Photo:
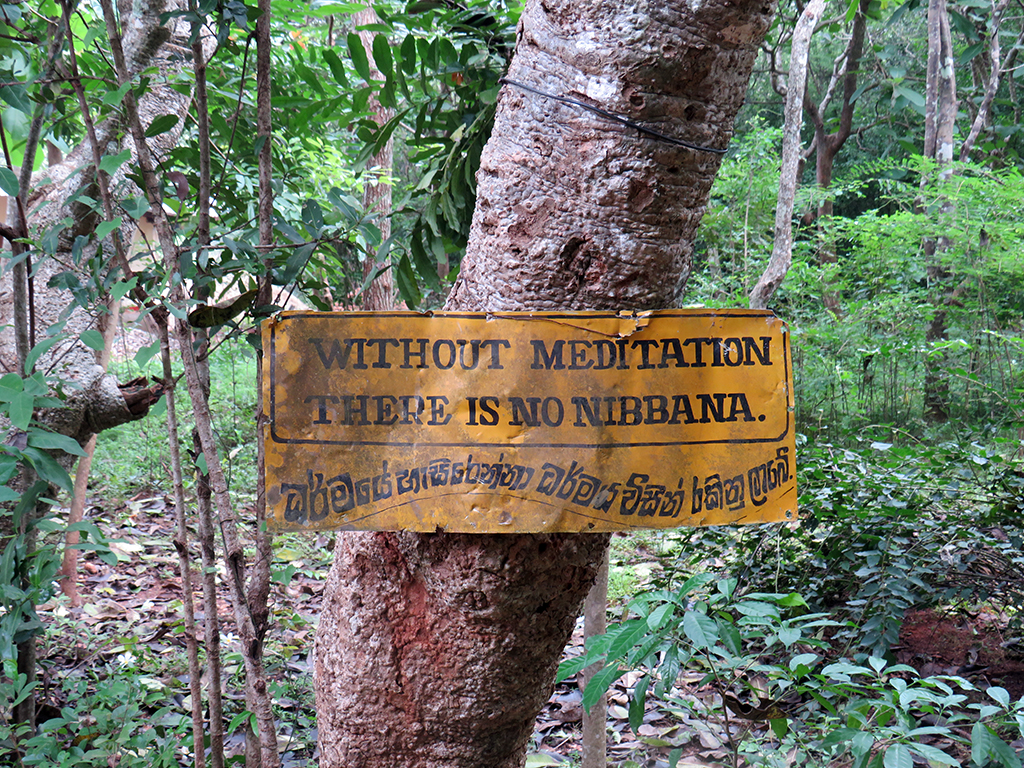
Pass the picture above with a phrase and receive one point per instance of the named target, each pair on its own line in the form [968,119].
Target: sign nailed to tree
[514,422]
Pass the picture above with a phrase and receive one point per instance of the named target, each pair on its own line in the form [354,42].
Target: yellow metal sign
[514,422]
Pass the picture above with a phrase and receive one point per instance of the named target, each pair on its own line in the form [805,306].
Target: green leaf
[337,68]
[780,727]
[239,719]
[104,228]
[10,385]
[48,469]
[408,52]
[731,639]
[540,760]
[27,502]
[861,744]
[54,441]
[110,163]
[8,466]
[933,754]
[407,286]
[9,182]
[570,667]
[792,600]
[701,630]
[599,684]
[17,96]
[113,98]
[913,97]
[692,584]
[146,354]
[986,745]
[20,410]
[312,216]
[803,659]
[38,351]
[382,56]
[660,615]
[120,288]
[898,756]
[999,694]
[637,703]
[296,263]
[668,671]
[310,77]
[358,55]
[789,635]
[425,266]
[162,124]
[93,339]
[629,636]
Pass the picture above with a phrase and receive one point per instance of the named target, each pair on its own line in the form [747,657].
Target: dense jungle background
[884,628]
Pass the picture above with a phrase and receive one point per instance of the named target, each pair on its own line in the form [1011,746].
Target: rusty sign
[515,422]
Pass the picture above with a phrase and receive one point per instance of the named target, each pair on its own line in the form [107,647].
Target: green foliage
[870,368]
[883,528]
[121,720]
[769,663]
[121,473]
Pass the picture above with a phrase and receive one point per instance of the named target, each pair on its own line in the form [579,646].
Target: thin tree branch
[782,251]
[981,119]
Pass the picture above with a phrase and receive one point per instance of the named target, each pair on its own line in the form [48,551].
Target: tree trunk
[380,294]
[595,721]
[782,249]
[438,650]
[827,145]
[940,122]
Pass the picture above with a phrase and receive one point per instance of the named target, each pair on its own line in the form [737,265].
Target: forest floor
[131,617]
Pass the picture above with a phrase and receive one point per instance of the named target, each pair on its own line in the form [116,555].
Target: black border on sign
[539,315]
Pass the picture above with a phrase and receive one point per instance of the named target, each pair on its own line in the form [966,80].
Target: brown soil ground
[973,646]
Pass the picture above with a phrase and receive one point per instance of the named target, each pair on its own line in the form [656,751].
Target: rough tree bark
[438,650]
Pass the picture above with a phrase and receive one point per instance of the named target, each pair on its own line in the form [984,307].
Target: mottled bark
[595,721]
[438,650]
[262,750]
[576,212]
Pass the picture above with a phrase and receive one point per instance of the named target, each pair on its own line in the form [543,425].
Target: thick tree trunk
[438,650]
[577,212]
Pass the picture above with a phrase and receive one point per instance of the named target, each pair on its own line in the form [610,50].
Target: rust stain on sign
[515,422]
